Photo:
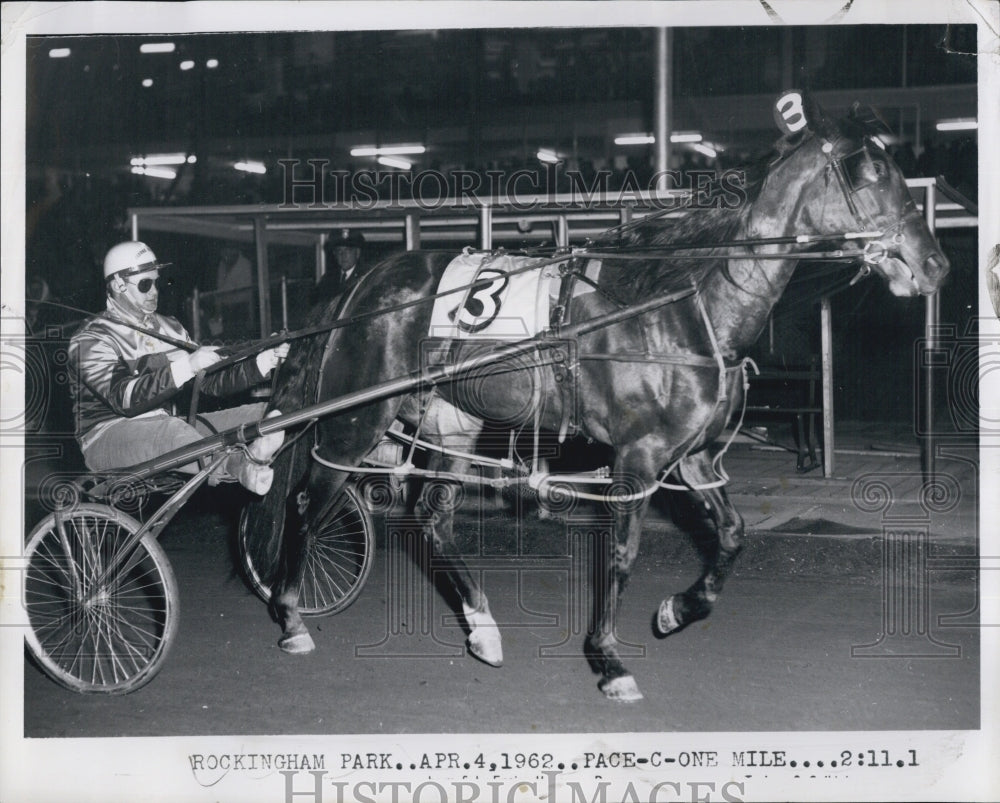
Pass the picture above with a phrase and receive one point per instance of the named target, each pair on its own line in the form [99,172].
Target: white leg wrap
[264,447]
[666,619]
[297,643]
[622,690]
[484,640]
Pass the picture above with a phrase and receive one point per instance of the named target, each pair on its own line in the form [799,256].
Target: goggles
[145,285]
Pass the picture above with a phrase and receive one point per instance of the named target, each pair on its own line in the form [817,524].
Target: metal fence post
[826,349]
[932,316]
[412,232]
[263,280]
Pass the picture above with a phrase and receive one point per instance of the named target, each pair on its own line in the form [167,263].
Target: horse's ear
[790,112]
[869,120]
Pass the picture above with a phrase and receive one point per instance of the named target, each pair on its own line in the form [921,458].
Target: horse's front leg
[696,602]
[612,568]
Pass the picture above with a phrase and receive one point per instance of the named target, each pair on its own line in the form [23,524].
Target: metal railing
[559,219]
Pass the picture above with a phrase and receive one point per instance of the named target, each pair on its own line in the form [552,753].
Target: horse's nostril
[936,265]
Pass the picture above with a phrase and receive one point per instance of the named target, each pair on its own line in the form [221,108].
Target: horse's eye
[880,168]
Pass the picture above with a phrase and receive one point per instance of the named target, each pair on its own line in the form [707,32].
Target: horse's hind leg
[696,602]
[305,506]
[436,505]
[308,506]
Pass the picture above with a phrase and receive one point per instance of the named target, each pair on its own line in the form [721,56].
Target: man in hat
[343,263]
[126,377]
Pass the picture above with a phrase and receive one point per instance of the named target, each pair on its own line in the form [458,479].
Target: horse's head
[858,187]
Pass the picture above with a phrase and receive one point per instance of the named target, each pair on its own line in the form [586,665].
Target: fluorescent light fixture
[147,82]
[547,156]
[635,139]
[649,139]
[394,161]
[251,167]
[59,53]
[388,150]
[706,149]
[157,47]
[212,63]
[958,124]
[155,172]
[162,159]
[187,65]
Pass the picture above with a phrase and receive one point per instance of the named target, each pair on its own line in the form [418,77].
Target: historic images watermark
[313,786]
[309,183]
[913,508]
[958,361]
[908,561]
[552,583]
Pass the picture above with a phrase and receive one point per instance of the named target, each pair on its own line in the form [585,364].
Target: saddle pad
[509,307]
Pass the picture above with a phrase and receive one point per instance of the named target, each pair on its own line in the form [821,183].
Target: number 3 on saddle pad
[482,305]
[491,296]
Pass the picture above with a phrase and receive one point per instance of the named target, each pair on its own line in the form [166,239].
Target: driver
[124,380]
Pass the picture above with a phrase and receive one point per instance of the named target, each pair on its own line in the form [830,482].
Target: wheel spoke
[92,632]
[338,561]
[326,565]
[331,581]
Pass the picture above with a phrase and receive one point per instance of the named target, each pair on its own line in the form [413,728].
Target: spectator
[343,264]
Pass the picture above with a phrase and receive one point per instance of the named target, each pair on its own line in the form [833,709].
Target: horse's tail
[263,522]
[264,518]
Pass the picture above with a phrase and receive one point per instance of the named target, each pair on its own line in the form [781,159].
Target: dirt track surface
[776,654]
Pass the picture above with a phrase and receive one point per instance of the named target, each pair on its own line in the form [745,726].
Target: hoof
[297,643]
[665,621]
[484,643]
[484,636]
[622,689]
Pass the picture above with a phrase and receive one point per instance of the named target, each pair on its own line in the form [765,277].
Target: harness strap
[536,408]
[559,314]
[566,373]
[720,472]
[716,352]
[691,360]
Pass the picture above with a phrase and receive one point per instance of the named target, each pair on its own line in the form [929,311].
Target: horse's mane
[631,280]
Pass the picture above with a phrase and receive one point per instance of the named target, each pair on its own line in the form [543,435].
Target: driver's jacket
[118,372]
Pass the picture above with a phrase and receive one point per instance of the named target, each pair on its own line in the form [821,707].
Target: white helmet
[128,258]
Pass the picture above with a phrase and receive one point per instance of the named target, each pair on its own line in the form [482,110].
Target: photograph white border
[955,765]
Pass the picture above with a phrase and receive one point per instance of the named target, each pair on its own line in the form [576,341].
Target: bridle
[848,171]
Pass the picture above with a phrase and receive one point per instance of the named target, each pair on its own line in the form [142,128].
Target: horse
[657,387]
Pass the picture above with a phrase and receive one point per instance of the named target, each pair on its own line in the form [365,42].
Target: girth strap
[716,352]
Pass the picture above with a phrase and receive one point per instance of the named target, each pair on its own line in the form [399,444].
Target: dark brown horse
[657,388]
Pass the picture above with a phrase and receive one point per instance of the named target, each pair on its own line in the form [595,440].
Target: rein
[874,252]
[559,256]
[562,255]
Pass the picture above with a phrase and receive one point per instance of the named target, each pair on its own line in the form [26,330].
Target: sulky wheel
[339,561]
[95,627]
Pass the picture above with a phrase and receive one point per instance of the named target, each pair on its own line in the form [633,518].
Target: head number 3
[788,112]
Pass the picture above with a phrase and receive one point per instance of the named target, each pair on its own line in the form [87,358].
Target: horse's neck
[740,300]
